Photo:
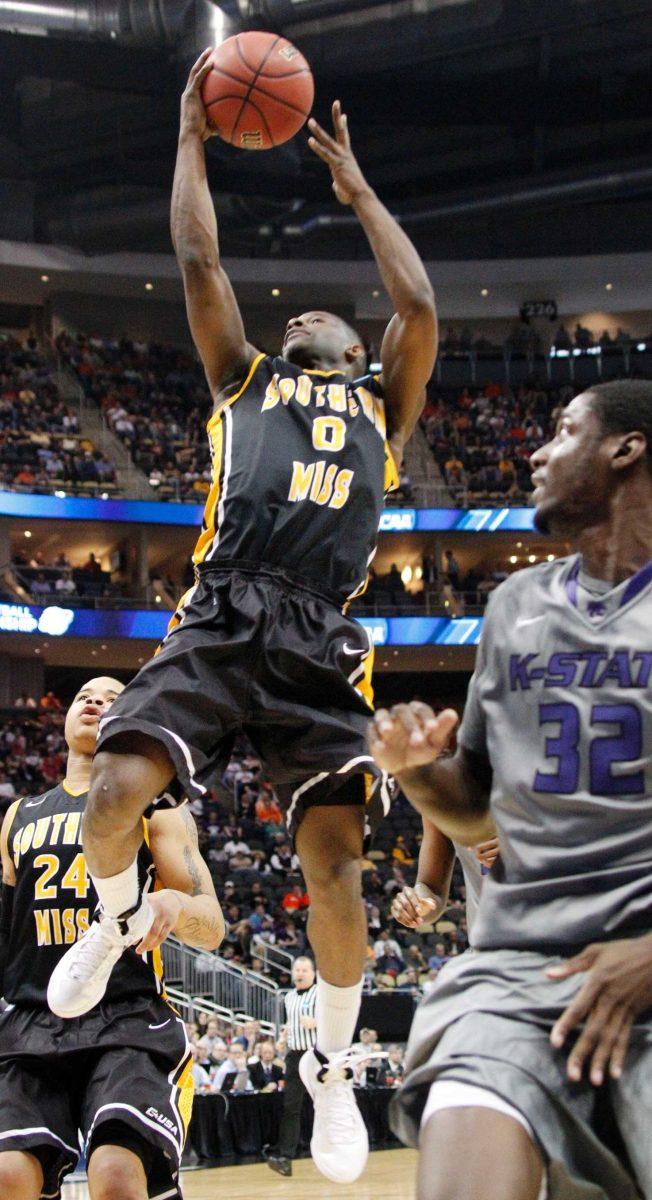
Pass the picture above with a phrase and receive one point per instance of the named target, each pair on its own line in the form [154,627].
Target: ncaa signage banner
[55,622]
[161,512]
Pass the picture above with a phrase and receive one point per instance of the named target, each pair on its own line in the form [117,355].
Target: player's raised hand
[193,113]
[336,152]
[409,735]
[616,989]
[411,909]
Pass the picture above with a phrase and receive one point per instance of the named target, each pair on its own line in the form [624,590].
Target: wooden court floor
[389,1173]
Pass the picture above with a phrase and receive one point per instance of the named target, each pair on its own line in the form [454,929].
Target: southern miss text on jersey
[54,901]
[301,465]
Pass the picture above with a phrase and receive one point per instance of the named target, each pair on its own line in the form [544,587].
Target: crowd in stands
[58,581]
[156,400]
[524,338]
[439,587]
[32,748]
[41,449]
[244,1059]
[482,438]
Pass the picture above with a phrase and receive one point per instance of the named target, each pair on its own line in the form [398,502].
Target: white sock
[118,893]
[336,1011]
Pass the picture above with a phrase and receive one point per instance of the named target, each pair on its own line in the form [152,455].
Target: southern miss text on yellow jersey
[300,469]
[54,901]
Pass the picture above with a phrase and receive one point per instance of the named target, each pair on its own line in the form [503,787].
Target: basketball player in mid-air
[121,1075]
[304,447]
[521,1049]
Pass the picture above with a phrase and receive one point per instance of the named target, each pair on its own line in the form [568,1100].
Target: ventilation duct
[140,22]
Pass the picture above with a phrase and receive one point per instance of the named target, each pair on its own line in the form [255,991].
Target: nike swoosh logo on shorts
[529,621]
[354,649]
[162,1025]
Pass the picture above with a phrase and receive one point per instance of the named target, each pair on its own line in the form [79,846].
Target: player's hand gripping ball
[257,90]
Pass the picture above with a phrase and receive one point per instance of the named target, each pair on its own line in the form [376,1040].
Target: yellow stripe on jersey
[364,685]
[205,541]
[185,1095]
[391,472]
[215,432]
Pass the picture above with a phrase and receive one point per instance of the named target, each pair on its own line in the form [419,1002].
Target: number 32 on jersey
[323,482]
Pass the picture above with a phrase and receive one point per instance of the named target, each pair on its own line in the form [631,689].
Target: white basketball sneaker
[80,978]
[339,1144]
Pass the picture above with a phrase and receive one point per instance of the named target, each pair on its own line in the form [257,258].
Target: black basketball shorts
[127,1064]
[256,651]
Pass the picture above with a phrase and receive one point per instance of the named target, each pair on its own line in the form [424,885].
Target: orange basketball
[259,91]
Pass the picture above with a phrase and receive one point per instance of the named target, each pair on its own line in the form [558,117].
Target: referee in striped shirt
[301,1035]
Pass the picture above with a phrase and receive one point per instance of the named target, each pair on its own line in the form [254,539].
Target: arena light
[513,559]
[608,287]
[45,278]
[641,346]
[60,495]
[551,558]
[276,291]
[406,574]
[216,21]
[28,533]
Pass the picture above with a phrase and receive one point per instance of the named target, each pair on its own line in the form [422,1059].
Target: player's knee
[116,1177]
[22,1180]
[334,876]
[113,804]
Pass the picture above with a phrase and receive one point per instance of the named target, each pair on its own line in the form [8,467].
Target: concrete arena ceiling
[541,110]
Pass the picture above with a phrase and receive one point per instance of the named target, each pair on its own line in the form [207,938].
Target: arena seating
[156,400]
[482,438]
[41,449]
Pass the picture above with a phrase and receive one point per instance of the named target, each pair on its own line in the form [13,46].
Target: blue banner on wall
[153,512]
[57,621]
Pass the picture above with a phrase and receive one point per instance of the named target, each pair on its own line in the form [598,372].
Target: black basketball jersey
[301,465]
[54,901]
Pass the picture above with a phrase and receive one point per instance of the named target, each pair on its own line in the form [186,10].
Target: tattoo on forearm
[200,931]
[193,872]
[190,824]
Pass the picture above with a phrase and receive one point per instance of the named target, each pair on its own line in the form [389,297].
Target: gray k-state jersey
[473,876]
[560,702]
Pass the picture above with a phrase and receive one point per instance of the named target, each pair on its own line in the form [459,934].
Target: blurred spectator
[65,584]
[437,960]
[295,900]
[391,1069]
[264,1072]
[283,860]
[51,702]
[92,566]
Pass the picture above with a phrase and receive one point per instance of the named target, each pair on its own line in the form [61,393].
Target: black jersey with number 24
[54,901]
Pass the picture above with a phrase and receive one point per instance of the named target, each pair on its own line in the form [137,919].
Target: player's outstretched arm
[187,905]
[452,793]
[426,901]
[213,313]
[409,347]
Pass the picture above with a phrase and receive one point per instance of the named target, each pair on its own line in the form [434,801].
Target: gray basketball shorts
[487,1022]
